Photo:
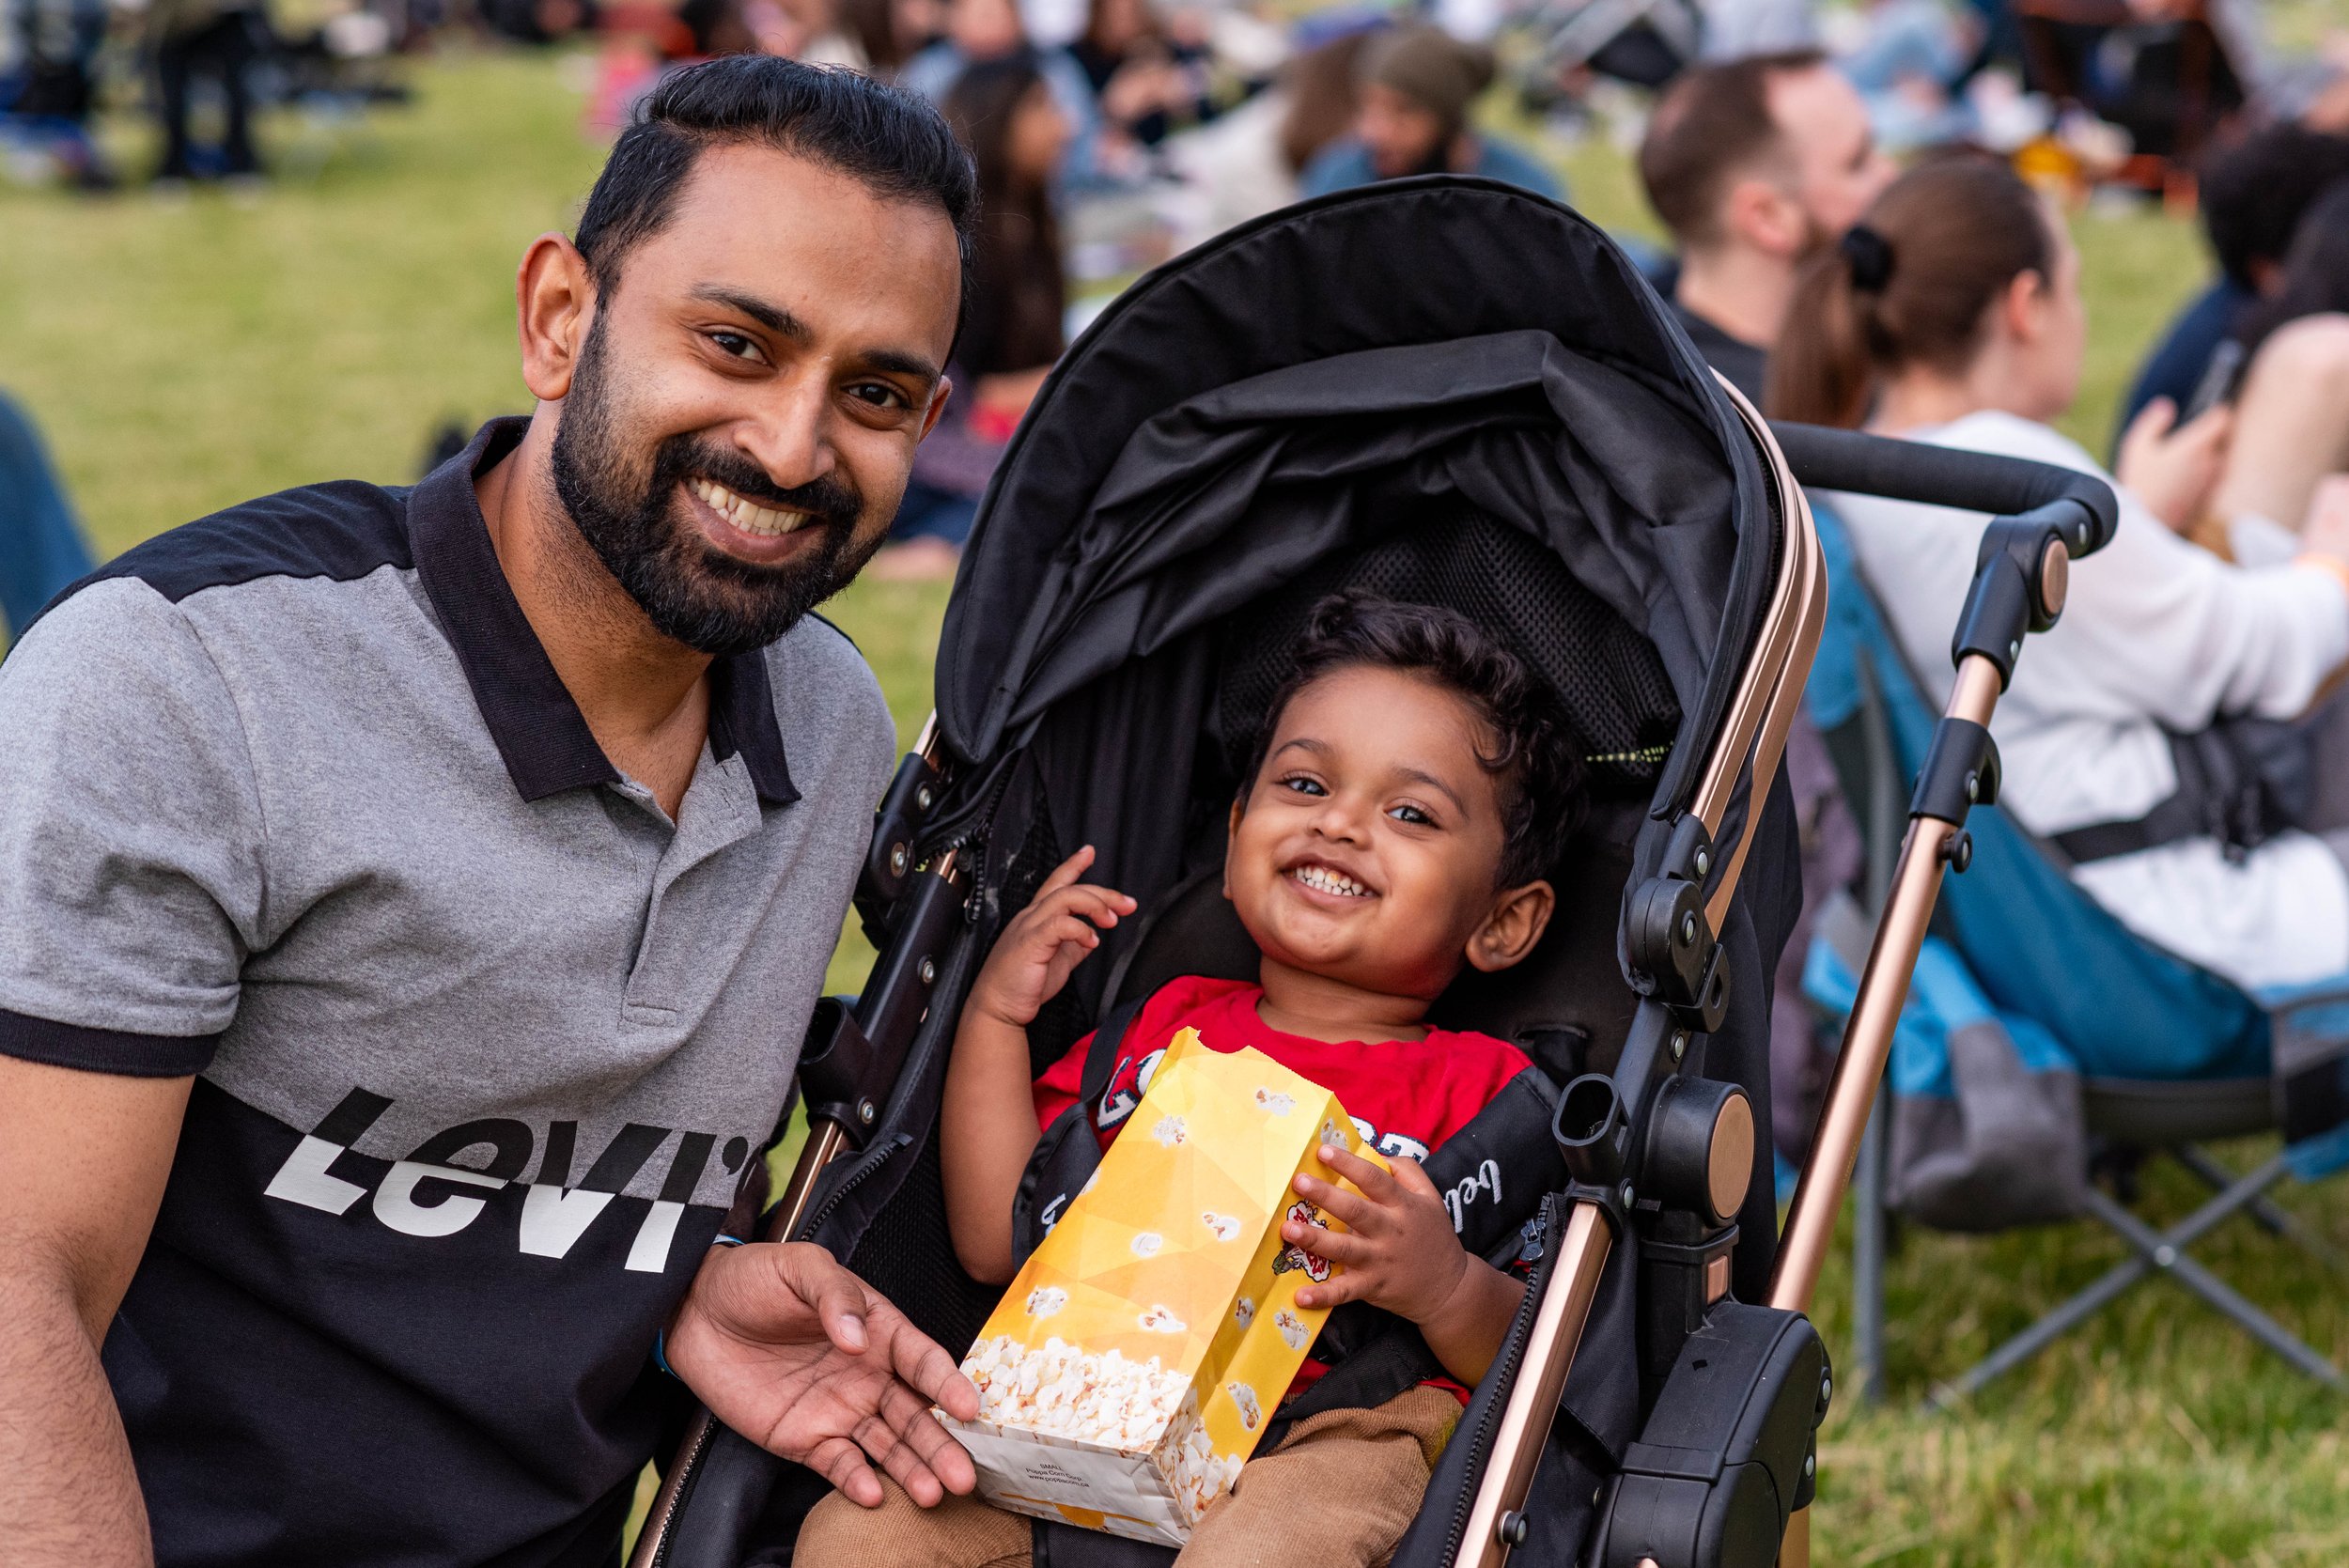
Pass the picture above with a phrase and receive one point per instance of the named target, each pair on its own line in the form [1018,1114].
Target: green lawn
[183,357]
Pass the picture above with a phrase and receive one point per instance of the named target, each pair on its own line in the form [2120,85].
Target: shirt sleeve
[1062,1082]
[2166,628]
[130,841]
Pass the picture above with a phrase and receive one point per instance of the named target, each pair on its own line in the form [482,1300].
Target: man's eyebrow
[901,362]
[772,317]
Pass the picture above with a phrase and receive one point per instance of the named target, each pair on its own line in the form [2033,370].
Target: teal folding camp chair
[2169,1056]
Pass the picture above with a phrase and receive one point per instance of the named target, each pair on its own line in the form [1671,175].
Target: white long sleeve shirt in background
[2158,634]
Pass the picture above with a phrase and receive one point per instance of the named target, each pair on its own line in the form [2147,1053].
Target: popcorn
[1136,1361]
[1244,1401]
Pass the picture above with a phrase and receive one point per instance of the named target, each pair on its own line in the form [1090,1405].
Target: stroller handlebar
[1832,460]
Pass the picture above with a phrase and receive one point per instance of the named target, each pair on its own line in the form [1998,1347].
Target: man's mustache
[831,498]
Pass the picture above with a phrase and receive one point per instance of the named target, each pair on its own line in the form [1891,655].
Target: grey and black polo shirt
[292,799]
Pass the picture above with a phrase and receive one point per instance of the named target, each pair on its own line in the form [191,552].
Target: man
[1752,165]
[411,902]
[1418,83]
[2254,194]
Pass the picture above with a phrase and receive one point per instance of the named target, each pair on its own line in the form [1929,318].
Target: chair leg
[2166,1253]
[1867,1254]
[2271,1218]
[2156,1249]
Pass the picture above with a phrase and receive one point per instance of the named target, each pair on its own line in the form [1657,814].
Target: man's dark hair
[2255,193]
[1711,125]
[891,142]
[1535,760]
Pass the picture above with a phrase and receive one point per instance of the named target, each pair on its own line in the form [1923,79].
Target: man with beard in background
[411,902]
[1752,164]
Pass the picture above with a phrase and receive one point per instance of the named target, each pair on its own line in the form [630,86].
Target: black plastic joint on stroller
[1452,392]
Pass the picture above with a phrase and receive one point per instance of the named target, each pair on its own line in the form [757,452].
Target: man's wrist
[661,1335]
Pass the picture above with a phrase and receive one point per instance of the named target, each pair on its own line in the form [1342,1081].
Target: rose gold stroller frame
[1759,719]
[2020,585]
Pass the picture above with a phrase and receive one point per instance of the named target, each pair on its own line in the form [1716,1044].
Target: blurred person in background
[891,32]
[40,548]
[1248,161]
[1004,112]
[220,41]
[1952,315]
[978,31]
[2253,195]
[1147,77]
[1417,84]
[1754,165]
[2295,343]
[49,86]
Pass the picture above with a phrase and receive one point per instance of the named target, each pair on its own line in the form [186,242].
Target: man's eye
[733,345]
[881,395]
[1303,785]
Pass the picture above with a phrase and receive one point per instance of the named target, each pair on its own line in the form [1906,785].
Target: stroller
[1449,392]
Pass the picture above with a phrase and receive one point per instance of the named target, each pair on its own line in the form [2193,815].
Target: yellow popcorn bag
[1131,1368]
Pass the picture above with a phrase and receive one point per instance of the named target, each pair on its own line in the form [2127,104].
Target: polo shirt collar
[531,715]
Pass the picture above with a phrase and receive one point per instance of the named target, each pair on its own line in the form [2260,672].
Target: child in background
[1410,789]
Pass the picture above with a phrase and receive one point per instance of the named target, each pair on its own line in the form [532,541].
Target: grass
[181,358]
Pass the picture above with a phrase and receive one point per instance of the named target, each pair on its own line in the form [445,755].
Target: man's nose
[790,437]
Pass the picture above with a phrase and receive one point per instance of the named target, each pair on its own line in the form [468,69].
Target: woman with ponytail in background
[1951,314]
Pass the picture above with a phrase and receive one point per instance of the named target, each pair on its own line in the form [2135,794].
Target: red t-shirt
[1406,1096]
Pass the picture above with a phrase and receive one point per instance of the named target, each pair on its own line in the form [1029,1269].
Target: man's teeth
[1322,879]
[748,516]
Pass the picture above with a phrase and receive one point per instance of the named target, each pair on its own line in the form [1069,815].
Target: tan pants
[1348,1481]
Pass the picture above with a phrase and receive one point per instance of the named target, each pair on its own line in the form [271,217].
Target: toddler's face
[1367,849]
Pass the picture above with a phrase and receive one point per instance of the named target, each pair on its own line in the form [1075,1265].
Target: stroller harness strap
[1494,1173]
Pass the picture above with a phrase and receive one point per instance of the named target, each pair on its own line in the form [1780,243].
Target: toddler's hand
[1399,1251]
[1045,942]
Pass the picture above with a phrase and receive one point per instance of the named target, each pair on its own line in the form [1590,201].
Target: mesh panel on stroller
[1452,393]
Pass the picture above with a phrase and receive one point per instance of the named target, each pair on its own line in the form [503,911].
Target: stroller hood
[1297,385]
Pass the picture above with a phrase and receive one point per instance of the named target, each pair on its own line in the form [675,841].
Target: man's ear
[1519,918]
[1763,216]
[938,401]
[555,301]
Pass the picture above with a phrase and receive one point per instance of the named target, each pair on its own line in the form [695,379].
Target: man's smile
[746,514]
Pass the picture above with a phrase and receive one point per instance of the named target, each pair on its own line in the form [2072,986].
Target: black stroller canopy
[1324,377]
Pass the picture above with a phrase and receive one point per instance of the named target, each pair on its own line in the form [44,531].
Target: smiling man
[411,901]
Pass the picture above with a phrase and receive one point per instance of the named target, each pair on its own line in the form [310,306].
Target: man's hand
[791,1349]
[1400,1252]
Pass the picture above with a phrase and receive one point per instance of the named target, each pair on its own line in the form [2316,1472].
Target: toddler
[1409,791]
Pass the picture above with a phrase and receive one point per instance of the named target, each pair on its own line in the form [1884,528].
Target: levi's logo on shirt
[1131,1078]
[426,1195]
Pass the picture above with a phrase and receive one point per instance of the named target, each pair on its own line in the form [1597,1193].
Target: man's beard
[691,591]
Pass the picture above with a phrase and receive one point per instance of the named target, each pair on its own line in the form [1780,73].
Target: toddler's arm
[1400,1253]
[988,1127]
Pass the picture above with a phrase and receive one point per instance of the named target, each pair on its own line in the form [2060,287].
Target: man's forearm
[69,1496]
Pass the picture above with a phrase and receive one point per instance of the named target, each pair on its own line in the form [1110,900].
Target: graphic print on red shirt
[1406,1096]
